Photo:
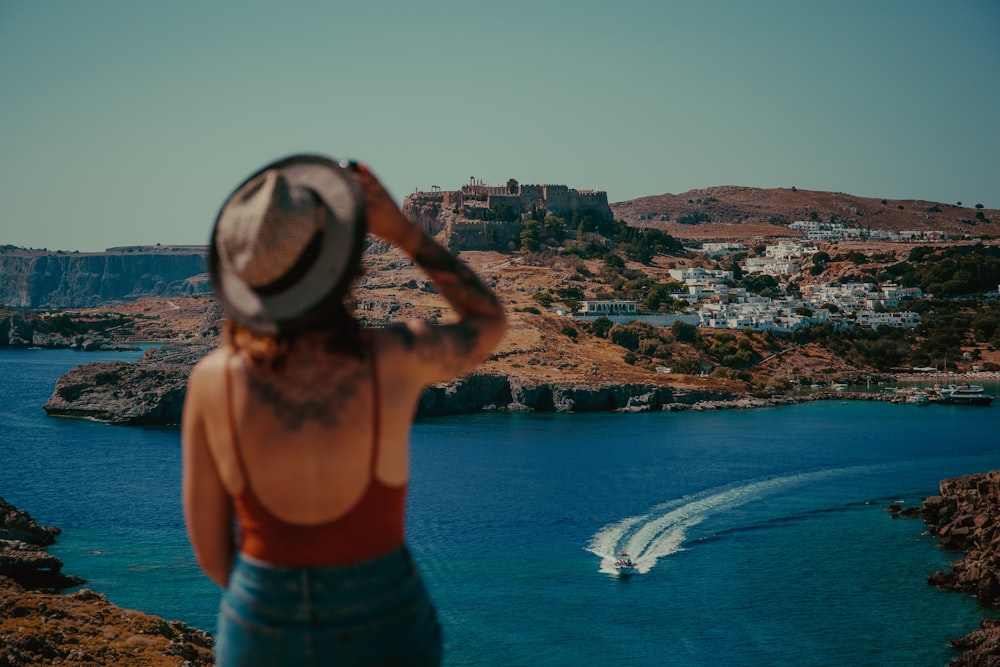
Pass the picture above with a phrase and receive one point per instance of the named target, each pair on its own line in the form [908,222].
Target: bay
[761,536]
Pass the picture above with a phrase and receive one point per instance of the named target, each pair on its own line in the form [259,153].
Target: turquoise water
[761,536]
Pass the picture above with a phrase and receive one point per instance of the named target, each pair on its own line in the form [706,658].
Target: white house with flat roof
[606,308]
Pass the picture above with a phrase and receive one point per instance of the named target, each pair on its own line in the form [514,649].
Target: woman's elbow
[216,566]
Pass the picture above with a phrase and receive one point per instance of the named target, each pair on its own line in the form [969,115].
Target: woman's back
[308,433]
[299,426]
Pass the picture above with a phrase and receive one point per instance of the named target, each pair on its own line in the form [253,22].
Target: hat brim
[339,252]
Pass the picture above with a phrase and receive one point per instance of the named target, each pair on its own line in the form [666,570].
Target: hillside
[544,349]
[730,211]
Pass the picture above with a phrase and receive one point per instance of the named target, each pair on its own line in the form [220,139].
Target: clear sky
[129,122]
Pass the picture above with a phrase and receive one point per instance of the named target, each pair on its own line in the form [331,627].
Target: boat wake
[663,530]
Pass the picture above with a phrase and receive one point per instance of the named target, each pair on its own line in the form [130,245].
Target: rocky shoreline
[150,392]
[40,625]
[30,330]
[965,516]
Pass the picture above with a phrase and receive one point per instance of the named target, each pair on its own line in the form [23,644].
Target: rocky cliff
[965,516]
[42,279]
[31,329]
[40,626]
[478,393]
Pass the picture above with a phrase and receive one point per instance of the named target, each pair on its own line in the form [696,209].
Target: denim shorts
[372,613]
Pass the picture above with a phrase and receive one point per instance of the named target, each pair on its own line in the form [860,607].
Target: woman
[298,427]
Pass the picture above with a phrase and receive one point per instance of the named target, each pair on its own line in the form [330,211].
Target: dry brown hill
[535,348]
[731,211]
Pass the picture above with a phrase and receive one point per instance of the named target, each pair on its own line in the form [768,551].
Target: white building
[788,250]
[770,266]
[717,249]
[700,274]
[904,319]
[607,308]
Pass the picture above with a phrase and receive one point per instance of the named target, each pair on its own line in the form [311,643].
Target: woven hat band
[288,237]
[298,270]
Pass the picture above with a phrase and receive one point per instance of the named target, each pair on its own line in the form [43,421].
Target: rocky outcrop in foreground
[965,516]
[22,552]
[147,392]
[40,626]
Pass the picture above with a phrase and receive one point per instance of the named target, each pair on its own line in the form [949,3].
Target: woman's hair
[331,318]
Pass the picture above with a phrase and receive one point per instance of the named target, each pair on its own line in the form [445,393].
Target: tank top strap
[231,418]
[376,408]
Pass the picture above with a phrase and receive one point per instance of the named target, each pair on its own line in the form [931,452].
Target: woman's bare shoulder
[209,369]
[214,359]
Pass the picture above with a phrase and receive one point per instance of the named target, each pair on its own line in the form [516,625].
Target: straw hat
[287,238]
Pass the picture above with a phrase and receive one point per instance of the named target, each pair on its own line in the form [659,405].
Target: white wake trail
[662,530]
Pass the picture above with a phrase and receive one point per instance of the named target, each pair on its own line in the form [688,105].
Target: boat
[962,394]
[918,398]
[624,565]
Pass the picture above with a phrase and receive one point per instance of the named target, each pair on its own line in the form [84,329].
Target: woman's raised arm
[443,351]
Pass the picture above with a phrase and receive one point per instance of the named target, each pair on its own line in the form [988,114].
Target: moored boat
[961,394]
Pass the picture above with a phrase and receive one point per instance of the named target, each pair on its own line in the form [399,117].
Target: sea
[761,536]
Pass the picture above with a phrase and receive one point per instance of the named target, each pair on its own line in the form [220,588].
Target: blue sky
[129,122]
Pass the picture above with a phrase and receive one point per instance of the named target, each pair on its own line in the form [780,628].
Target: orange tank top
[373,526]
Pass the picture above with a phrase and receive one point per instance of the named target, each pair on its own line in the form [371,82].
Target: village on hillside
[764,293]
[786,263]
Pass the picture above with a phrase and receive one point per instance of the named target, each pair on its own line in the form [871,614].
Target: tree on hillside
[601,326]
[620,334]
[512,185]
[613,266]
[684,332]
[531,236]
[686,365]
[555,228]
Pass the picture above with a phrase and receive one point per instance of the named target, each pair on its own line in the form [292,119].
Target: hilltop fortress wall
[459,213]
[556,199]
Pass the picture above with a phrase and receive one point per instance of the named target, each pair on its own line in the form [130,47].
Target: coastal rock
[151,391]
[22,552]
[25,330]
[33,567]
[477,393]
[83,628]
[980,648]
[38,625]
[17,525]
[965,516]
[147,392]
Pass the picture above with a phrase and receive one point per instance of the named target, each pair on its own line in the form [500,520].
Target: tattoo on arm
[448,346]
[456,281]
